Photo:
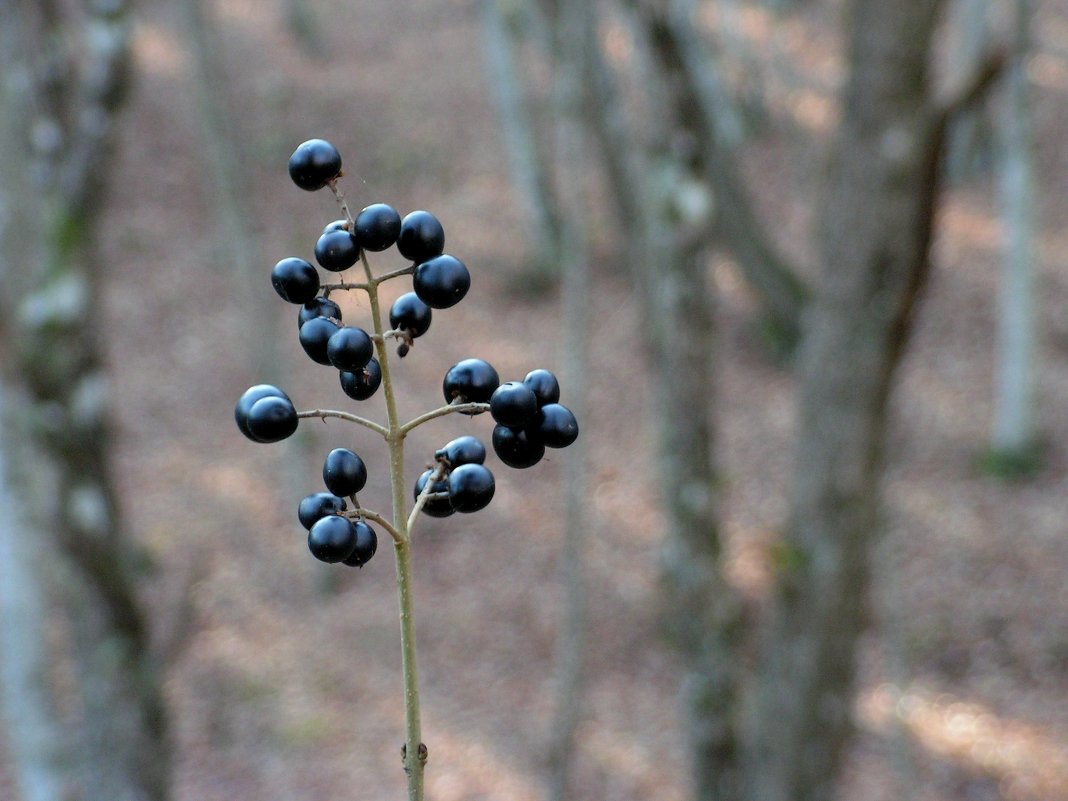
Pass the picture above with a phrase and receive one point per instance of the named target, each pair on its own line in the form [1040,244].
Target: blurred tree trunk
[65,72]
[570,27]
[1012,440]
[529,165]
[717,131]
[875,235]
[661,182]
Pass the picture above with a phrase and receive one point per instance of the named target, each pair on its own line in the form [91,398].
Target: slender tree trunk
[526,161]
[703,612]
[66,103]
[570,28]
[1013,434]
[875,236]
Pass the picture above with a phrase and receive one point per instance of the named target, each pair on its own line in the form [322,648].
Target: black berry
[410,314]
[247,399]
[318,505]
[295,280]
[272,419]
[517,447]
[513,404]
[362,384]
[544,385]
[337,251]
[314,336]
[441,282]
[318,307]
[470,381]
[349,349]
[421,236]
[556,425]
[377,227]
[314,164]
[463,450]
[344,473]
[336,225]
[470,487]
[435,507]
[332,539]
[366,545]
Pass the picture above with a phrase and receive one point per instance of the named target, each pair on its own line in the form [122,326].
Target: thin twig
[424,496]
[352,418]
[377,518]
[477,408]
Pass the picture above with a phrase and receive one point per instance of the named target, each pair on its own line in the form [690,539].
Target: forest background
[262,674]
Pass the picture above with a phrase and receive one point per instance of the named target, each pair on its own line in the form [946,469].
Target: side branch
[377,518]
[424,496]
[971,87]
[477,408]
[352,418]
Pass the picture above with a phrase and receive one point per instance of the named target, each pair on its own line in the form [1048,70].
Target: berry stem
[377,518]
[352,418]
[413,747]
[441,411]
[425,495]
[341,202]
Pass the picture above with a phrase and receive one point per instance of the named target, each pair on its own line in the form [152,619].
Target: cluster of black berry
[528,414]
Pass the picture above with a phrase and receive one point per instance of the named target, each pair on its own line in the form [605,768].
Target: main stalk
[414,753]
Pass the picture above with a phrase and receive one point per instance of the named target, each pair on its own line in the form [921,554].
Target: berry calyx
[336,251]
[314,336]
[421,236]
[366,545]
[544,385]
[349,349]
[272,419]
[295,280]
[470,381]
[517,447]
[318,505]
[513,404]
[442,281]
[314,164]
[411,315]
[434,507]
[377,227]
[462,450]
[556,425]
[362,384]
[332,539]
[344,473]
[470,487]
[247,399]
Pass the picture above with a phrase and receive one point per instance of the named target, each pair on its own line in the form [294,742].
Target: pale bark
[527,162]
[875,235]
[1013,433]
[737,225]
[703,612]
[571,32]
[52,367]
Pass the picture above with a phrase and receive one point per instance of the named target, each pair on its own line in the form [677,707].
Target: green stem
[414,750]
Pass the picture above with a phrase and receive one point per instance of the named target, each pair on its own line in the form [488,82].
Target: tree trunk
[56,389]
[703,612]
[526,161]
[875,236]
[571,32]
[1012,440]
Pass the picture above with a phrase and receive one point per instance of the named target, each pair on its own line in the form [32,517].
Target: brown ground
[289,687]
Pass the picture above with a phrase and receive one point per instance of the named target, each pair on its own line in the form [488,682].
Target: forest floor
[289,684]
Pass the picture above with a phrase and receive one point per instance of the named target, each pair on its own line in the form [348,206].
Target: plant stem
[414,750]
